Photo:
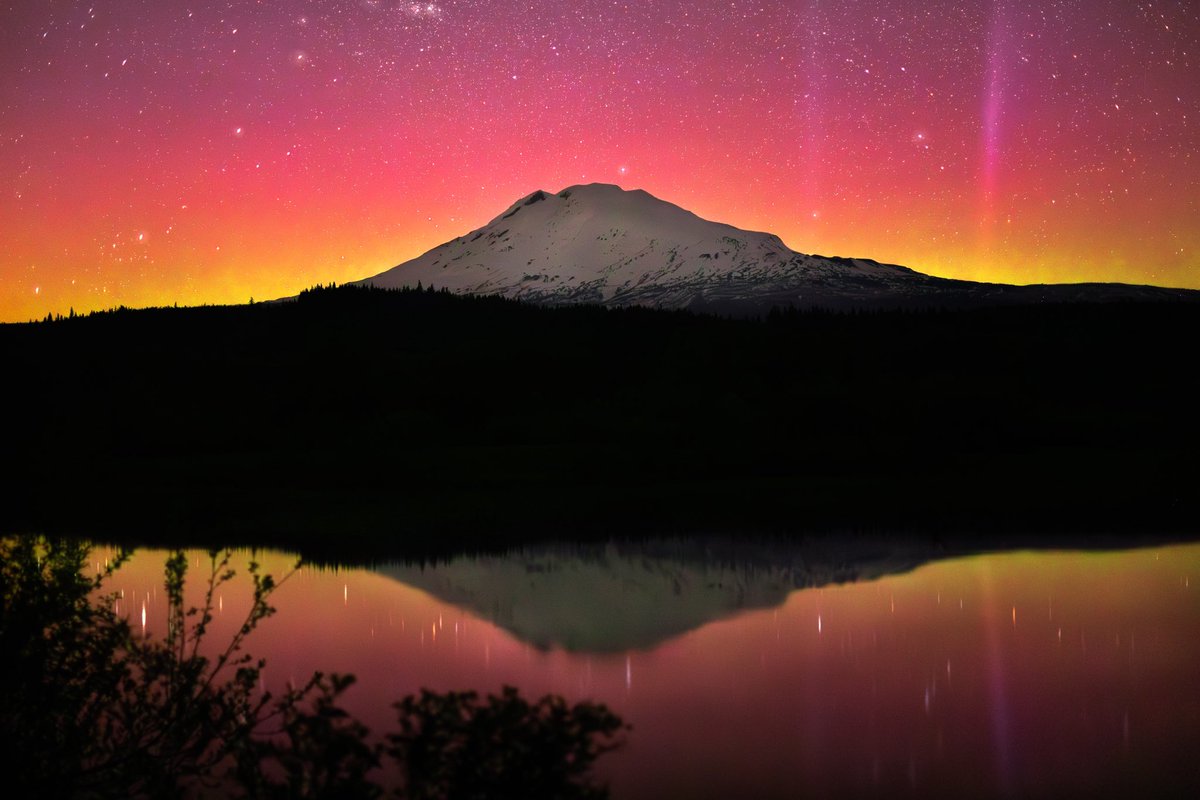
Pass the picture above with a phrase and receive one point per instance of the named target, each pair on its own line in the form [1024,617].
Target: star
[396,112]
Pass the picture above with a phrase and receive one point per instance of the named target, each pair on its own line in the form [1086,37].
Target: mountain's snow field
[601,244]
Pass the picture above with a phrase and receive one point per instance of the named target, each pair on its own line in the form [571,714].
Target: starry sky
[158,151]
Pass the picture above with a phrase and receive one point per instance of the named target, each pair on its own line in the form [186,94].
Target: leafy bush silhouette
[457,745]
[88,709]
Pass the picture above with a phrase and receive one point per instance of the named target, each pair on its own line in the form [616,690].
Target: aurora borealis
[155,151]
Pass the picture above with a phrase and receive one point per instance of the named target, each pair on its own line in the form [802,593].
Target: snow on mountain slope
[599,243]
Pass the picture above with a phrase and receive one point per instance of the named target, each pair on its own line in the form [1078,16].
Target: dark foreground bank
[419,420]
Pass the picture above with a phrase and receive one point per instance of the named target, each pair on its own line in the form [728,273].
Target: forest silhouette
[363,420]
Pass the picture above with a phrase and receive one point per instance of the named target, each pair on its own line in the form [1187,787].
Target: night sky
[155,151]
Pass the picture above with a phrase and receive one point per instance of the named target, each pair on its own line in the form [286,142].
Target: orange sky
[151,153]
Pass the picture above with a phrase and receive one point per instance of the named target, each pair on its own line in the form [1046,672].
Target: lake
[771,670]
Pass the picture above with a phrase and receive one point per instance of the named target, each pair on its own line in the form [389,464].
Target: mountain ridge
[599,243]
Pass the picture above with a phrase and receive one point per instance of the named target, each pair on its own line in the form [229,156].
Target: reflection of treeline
[92,710]
[428,418]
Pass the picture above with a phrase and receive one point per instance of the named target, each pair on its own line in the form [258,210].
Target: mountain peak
[601,243]
[597,191]
[585,191]
[595,186]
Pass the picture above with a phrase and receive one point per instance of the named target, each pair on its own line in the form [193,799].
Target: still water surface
[768,672]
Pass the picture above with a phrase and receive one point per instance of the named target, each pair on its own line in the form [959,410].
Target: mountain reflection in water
[781,670]
[614,597]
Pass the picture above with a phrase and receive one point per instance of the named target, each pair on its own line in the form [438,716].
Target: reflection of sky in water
[1003,673]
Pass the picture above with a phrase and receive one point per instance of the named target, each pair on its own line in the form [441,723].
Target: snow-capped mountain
[599,243]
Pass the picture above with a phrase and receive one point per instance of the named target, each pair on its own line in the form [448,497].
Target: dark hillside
[417,419]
